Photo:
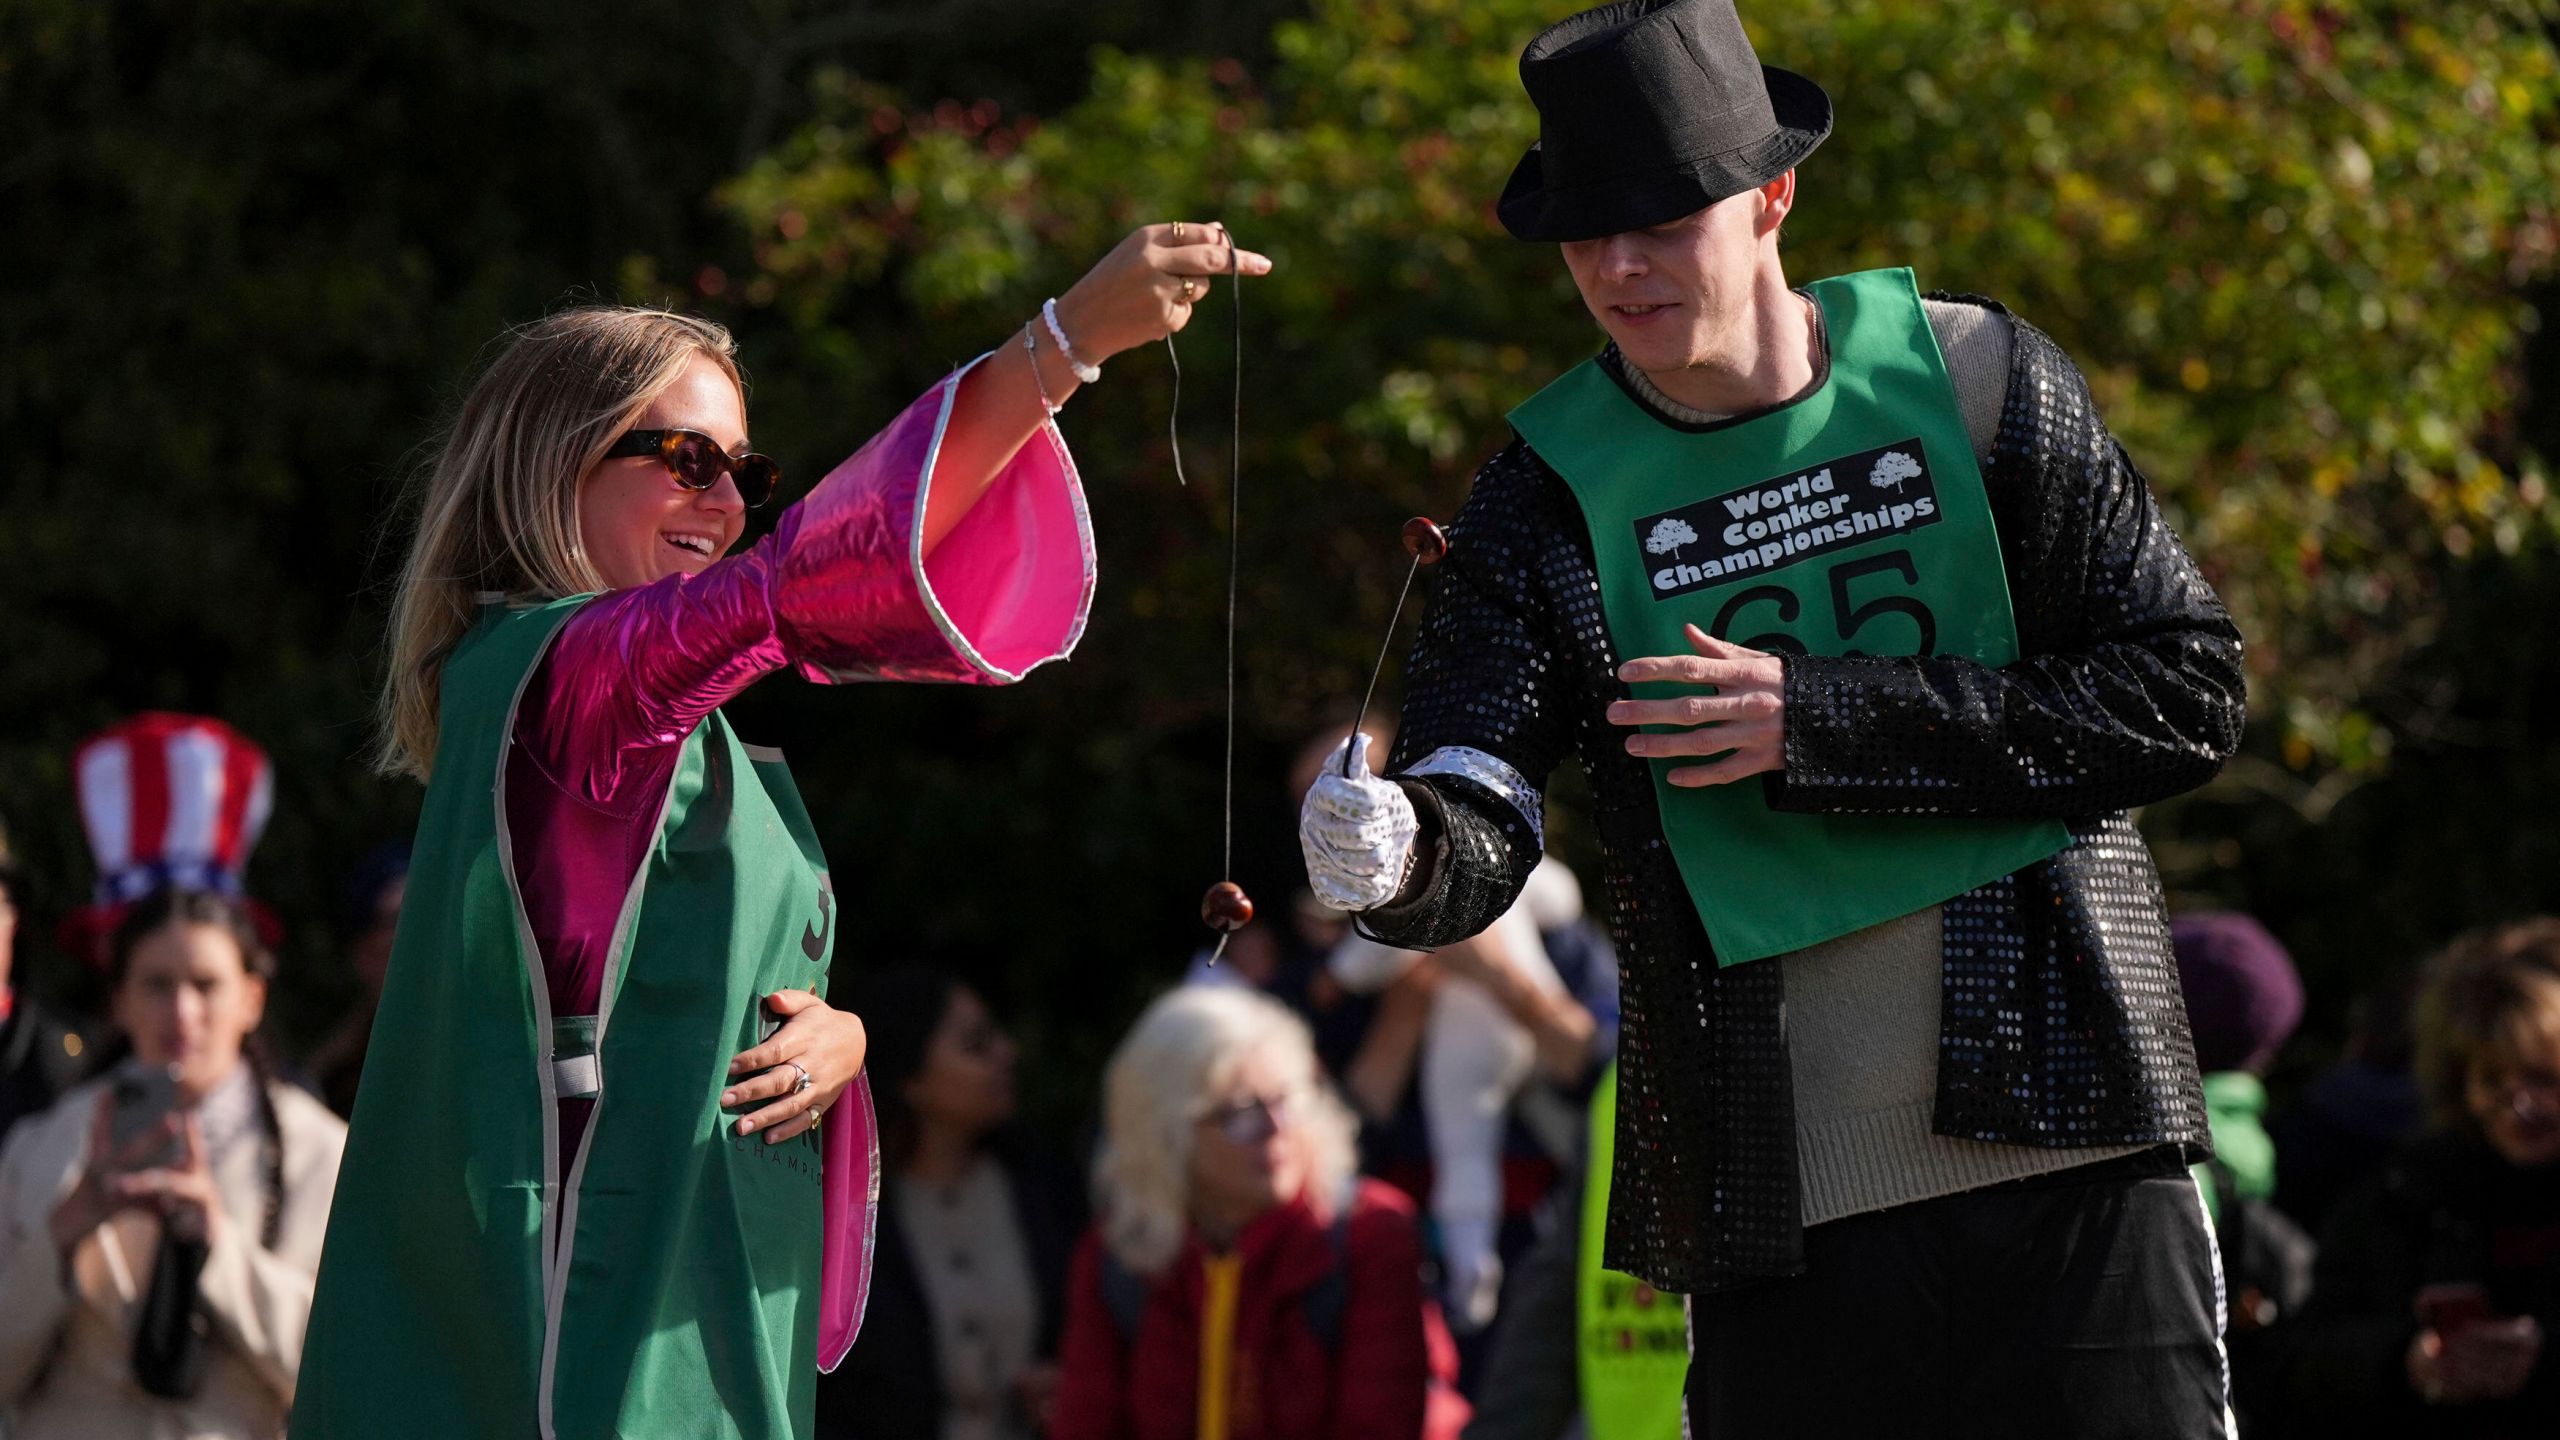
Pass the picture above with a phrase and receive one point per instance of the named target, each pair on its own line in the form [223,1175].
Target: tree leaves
[2285,240]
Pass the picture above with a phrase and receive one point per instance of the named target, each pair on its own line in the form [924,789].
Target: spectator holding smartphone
[159,1226]
[2438,1285]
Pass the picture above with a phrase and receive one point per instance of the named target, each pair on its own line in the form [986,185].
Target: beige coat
[66,1340]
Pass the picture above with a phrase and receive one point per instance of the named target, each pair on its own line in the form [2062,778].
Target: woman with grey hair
[1238,1265]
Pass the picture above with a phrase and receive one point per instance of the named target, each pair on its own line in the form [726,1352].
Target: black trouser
[2081,1305]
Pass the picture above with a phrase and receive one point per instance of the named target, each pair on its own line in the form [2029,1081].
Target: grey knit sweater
[1862,1010]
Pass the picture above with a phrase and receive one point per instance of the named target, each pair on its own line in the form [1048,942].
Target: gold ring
[1177,232]
[1186,290]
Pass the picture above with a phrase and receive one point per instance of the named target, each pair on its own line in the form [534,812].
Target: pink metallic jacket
[841,590]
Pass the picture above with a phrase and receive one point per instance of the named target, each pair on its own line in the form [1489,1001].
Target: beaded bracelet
[1085,373]
[1032,351]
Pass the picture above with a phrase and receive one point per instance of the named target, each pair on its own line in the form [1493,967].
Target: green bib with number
[1850,522]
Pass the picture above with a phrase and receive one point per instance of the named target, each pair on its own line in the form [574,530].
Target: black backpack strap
[1124,1294]
[1322,1306]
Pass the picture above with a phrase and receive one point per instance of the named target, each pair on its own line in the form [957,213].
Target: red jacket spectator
[1370,1378]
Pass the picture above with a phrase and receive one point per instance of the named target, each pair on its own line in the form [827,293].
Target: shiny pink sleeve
[840,591]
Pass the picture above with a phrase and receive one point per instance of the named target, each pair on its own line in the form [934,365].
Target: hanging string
[1225,908]
[1235,524]
[1235,529]
[1173,417]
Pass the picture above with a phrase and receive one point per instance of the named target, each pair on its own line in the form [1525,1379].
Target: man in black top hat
[1867,636]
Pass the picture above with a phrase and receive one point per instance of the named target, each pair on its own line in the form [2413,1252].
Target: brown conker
[1226,907]
[1424,540]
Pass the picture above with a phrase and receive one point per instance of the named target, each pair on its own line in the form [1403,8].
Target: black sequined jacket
[2060,1024]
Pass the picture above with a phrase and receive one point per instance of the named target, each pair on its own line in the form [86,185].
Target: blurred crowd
[1331,1188]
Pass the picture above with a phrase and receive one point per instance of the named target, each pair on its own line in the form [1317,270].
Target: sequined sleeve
[1485,717]
[2129,688]
[841,590]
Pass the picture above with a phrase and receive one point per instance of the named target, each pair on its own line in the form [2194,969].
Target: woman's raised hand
[1145,288]
[1142,291]
[816,1039]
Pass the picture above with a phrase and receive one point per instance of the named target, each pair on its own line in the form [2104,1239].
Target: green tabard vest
[1631,1339]
[1852,521]
[684,1297]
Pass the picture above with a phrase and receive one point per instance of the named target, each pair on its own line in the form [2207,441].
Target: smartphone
[144,1101]
[2449,1310]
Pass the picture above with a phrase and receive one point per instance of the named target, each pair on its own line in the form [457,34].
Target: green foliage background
[2302,250]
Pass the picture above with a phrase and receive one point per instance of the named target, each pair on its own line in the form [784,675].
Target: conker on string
[1424,540]
[1226,907]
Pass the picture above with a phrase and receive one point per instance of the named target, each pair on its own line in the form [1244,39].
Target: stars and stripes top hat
[167,801]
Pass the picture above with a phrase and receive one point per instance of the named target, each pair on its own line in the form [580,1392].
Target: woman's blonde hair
[1178,1058]
[2490,999]
[496,501]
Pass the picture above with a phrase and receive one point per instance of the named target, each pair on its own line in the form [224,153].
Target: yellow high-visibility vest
[1633,1339]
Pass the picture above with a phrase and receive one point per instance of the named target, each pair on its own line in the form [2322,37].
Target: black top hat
[1649,110]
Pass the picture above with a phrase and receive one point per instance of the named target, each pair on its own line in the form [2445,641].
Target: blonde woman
[1240,1281]
[584,1193]
[2439,1284]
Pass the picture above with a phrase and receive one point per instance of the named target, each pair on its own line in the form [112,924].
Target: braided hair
[172,906]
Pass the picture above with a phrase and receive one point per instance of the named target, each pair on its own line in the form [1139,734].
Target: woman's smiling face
[636,523]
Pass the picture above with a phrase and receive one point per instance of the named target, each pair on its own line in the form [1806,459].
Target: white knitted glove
[1357,832]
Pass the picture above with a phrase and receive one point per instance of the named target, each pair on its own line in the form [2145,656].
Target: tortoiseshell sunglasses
[697,462]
